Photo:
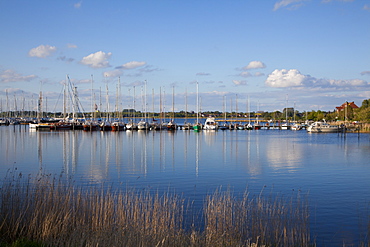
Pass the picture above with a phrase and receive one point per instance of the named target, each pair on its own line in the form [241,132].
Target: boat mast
[145,104]
[133,102]
[92,99]
[186,105]
[173,102]
[197,102]
[107,102]
[249,110]
[153,103]
[65,99]
[286,109]
[236,106]
[224,108]
[160,105]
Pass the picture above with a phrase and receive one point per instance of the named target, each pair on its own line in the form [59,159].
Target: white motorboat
[286,126]
[323,127]
[210,124]
[297,126]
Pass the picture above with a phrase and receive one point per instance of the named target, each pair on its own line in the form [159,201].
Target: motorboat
[297,126]
[285,126]
[323,127]
[210,124]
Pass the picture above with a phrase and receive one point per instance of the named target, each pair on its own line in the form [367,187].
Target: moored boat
[118,126]
[248,126]
[210,124]
[323,127]
[105,126]
[171,125]
[4,121]
[143,125]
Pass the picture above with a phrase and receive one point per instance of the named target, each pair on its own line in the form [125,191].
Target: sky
[157,54]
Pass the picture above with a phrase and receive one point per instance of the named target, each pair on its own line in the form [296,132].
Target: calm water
[333,169]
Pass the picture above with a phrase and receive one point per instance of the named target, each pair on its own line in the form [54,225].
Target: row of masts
[73,109]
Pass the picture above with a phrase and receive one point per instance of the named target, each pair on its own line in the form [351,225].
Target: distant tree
[365,103]
[363,113]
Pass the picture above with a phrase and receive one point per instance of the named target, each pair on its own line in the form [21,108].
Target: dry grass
[272,222]
[52,212]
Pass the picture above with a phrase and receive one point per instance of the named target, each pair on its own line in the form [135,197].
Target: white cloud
[203,73]
[345,83]
[293,78]
[65,59]
[245,74]
[97,60]
[11,76]
[239,82]
[285,78]
[71,46]
[136,84]
[131,65]
[255,65]
[42,51]
[365,72]
[112,73]
[284,3]
[328,1]
[366,7]
[77,5]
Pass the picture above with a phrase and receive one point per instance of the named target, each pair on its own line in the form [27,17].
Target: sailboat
[248,126]
[197,126]
[143,123]
[186,126]
[131,125]
[118,125]
[257,125]
[171,125]
[224,126]
[286,125]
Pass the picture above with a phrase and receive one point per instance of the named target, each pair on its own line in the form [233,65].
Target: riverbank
[47,211]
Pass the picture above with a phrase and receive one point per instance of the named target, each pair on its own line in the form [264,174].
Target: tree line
[349,114]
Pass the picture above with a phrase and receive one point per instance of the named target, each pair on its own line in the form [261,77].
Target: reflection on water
[333,168]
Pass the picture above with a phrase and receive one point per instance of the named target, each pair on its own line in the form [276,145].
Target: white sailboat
[197,126]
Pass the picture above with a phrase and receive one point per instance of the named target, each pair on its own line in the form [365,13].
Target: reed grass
[52,211]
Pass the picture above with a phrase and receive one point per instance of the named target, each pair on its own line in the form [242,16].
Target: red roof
[351,104]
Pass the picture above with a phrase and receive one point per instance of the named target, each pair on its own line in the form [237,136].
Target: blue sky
[311,54]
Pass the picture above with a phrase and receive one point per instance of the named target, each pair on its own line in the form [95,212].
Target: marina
[209,123]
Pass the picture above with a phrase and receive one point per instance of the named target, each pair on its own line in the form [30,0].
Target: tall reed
[55,212]
[273,221]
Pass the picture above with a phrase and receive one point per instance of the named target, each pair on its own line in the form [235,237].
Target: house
[348,104]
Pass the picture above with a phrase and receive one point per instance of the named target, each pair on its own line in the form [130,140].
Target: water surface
[333,169]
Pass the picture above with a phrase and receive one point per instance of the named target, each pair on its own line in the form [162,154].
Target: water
[333,169]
